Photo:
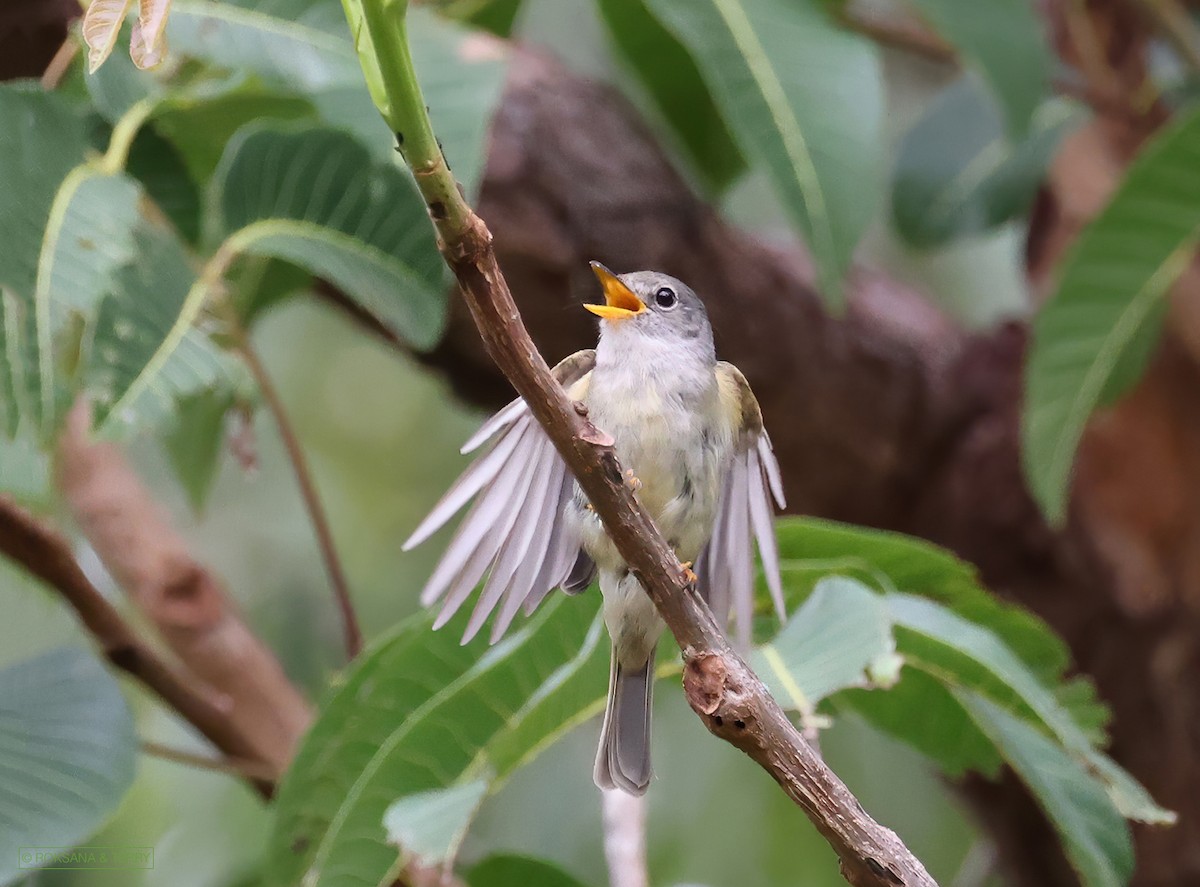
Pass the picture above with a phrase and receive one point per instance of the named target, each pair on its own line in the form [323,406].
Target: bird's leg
[632,481]
[691,577]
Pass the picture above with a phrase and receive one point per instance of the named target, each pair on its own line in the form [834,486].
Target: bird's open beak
[619,300]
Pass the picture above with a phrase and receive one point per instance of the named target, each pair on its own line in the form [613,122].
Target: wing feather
[469,483]
[562,549]
[515,532]
[515,553]
[744,515]
[738,554]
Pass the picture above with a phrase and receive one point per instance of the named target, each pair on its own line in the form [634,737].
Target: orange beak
[619,300]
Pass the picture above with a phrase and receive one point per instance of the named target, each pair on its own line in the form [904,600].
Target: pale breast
[671,435]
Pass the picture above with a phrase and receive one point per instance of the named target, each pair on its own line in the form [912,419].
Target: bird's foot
[632,481]
[691,577]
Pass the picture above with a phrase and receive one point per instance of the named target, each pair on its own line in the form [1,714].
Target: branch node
[704,683]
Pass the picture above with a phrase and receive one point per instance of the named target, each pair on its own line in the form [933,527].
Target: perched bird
[689,431]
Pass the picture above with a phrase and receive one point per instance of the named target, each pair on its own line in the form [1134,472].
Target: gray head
[654,305]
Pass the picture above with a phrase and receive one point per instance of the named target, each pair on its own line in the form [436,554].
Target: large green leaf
[431,825]
[18,362]
[461,77]
[1095,836]
[505,870]
[193,443]
[41,140]
[67,752]
[827,645]
[966,656]
[957,172]
[1003,39]
[200,126]
[783,77]
[420,712]
[1102,319]
[146,352]
[961,638]
[673,81]
[313,197]
[922,712]
[811,548]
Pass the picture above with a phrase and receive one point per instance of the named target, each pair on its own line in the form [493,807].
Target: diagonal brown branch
[184,601]
[44,553]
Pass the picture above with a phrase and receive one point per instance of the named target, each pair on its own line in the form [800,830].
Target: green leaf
[67,751]
[826,646]
[314,198]
[18,362]
[431,825]
[1003,40]
[505,870]
[145,351]
[418,713]
[921,712]
[41,141]
[781,74]
[810,548]
[1095,836]
[1108,305]
[672,80]
[461,75]
[957,173]
[194,443]
[966,656]
[159,166]
[201,126]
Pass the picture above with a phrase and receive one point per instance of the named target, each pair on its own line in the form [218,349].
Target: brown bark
[183,600]
[44,553]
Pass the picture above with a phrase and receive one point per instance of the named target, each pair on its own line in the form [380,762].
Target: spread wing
[515,531]
[725,568]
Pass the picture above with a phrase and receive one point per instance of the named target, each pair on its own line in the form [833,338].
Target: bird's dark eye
[664,297]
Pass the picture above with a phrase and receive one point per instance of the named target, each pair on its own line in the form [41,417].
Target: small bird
[689,432]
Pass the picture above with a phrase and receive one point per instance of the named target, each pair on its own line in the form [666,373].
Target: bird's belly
[677,458]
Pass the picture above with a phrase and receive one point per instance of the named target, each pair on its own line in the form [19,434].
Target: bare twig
[60,63]
[351,632]
[241,767]
[184,600]
[44,553]
[625,839]
[900,33]
[721,688]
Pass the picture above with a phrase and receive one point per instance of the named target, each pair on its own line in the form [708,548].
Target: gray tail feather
[623,760]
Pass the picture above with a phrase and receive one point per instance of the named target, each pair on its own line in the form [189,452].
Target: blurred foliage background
[382,434]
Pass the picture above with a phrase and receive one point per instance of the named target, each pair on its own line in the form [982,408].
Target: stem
[352,634]
[242,767]
[730,699]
